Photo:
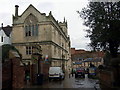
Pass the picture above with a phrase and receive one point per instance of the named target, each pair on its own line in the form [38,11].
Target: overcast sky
[59,8]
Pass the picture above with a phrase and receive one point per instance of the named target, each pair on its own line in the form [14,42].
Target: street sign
[46,58]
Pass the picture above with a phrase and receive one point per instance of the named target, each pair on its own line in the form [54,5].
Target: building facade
[82,58]
[35,28]
[5,35]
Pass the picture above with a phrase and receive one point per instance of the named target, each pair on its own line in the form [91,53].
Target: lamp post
[62,59]
[38,53]
[39,67]
[39,75]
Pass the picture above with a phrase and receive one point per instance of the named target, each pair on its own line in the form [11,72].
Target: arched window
[31,26]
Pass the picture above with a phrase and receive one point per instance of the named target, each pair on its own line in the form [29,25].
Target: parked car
[56,73]
[80,72]
[86,70]
[91,72]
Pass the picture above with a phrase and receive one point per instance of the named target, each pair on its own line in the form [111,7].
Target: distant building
[5,35]
[35,28]
[74,51]
[82,58]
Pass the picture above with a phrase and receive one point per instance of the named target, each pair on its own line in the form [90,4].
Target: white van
[56,73]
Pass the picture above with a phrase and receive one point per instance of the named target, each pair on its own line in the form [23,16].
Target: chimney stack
[16,10]
[2,25]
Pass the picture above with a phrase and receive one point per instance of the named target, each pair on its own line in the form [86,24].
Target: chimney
[2,25]
[16,10]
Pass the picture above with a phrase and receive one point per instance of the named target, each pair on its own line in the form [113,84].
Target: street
[72,82]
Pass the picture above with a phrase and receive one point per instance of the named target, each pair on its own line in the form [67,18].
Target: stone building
[35,28]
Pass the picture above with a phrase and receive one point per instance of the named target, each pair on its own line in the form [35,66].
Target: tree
[103,20]
[5,51]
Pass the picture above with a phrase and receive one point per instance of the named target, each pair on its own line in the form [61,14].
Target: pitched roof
[32,7]
[92,60]
[7,30]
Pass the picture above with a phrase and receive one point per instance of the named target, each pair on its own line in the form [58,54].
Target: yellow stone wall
[53,41]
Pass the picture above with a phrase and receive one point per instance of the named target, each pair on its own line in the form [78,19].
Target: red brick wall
[18,74]
[6,75]
[33,72]
[106,78]
[12,74]
[45,70]
[72,50]
[80,51]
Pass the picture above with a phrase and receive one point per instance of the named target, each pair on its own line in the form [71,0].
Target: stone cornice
[48,23]
[41,43]
[50,59]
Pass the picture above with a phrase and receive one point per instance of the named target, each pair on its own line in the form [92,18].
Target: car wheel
[63,77]
[60,78]
[49,79]
[88,76]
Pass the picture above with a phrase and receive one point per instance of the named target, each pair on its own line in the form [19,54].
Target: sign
[46,58]
[92,71]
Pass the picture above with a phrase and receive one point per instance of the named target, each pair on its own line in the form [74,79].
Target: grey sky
[59,8]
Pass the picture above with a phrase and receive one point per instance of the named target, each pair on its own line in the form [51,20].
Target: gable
[2,33]
[7,30]
[31,10]
[31,19]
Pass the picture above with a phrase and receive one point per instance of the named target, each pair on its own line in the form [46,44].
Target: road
[72,82]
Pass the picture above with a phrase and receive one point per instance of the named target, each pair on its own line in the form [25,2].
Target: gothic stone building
[35,28]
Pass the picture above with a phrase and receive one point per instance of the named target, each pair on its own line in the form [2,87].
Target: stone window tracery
[29,50]
[31,26]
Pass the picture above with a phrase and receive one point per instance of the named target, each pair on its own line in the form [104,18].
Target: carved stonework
[31,19]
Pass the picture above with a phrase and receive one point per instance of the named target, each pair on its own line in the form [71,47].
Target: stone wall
[50,35]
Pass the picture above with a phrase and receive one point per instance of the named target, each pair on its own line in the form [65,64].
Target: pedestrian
[28,79]
[72,72]
[69,73]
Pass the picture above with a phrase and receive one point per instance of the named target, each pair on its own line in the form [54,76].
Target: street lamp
[38,54]
[39,67]
[63,68]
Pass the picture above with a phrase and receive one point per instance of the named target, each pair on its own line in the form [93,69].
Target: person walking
[72,72]
[28,79]
[69,72]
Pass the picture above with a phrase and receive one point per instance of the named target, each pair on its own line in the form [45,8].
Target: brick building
[82,58]
[73,51]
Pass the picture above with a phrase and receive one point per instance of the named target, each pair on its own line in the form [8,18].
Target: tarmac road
[72,82]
